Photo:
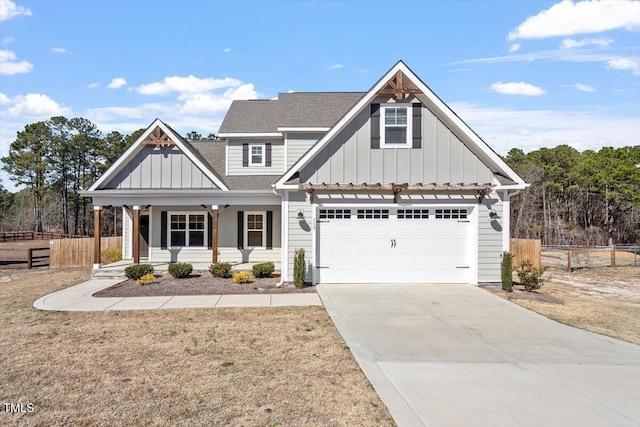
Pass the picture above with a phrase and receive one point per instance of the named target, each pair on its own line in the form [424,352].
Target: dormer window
[256,154]
[395,125]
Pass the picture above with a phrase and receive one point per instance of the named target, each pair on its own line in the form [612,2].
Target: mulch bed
[522,294]
[201,284]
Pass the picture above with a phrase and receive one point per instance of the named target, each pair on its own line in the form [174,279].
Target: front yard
[603,300]
[264,367]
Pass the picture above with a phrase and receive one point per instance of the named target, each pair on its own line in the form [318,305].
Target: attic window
[396,126]
[256,155]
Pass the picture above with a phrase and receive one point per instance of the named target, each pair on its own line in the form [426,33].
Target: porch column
[136,234]
[96,236]
[214,244]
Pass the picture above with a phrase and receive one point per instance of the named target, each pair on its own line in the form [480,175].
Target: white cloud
[226,50]
[9,66]
[93,85]
[59,50]
[35,105]
[212,103]
[8,40]
[514,47]
[117,83]
[584,17]
[4,99]
[584,88]
[188,84]
[624,64]
[571,43]
[504,129]
[9,9]
[335,66]
[517,88]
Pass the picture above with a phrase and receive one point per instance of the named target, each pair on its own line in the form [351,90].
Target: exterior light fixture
[493,214]
[300,216]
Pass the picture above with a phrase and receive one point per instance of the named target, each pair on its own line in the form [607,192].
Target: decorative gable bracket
[158,138]
[400,86]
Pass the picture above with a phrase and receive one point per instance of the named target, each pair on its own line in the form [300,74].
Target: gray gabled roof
[212,153]
[296,109]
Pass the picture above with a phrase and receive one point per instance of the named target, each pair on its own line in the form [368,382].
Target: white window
[187,229]
[395,125]
[256,154]
[255,235]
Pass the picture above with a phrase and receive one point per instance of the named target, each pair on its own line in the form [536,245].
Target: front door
[144,236]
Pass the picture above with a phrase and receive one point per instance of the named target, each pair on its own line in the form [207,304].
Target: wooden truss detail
[399,86]
[158,138]
[480,189]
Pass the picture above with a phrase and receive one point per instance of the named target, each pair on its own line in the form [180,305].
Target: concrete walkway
[454,355]
[80,298]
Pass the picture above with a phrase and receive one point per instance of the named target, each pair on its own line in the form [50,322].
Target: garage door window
[413,213]
[335,213]
[451,214]
[373,213]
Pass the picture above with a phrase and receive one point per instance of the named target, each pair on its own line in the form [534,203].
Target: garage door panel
[395,246]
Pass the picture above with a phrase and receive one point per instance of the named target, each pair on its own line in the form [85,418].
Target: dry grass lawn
[241,367]
[601,300]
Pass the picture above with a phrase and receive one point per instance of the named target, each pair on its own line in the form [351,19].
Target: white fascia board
[137,146]
[288,186]
[435,102]
[185,198]
[303,129]
[250,135]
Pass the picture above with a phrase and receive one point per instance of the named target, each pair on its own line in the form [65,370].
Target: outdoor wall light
[493,214]
[300,216]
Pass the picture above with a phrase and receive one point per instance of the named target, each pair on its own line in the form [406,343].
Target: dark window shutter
[375,126]
[267,158]
[245,154]
[240,229]
[210,234]
[269,229]
[163,229]
[417,125]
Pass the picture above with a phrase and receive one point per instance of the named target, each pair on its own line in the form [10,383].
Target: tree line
[588,198]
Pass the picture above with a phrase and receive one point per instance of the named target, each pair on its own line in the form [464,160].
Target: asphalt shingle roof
[297,109]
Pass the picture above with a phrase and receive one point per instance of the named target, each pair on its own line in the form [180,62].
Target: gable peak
[400,86]
[158,138]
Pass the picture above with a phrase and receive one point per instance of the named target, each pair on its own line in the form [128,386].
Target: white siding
[127,226]
[489,239]
[300,233]
[235,158]
[299,143]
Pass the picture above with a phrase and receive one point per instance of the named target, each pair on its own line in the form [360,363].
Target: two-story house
[388,185]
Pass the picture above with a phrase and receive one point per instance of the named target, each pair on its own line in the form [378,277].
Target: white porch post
[96,236]
[506,221]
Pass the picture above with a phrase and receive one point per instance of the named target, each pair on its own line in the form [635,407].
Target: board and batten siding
[299,143]
[300,233]
[234,161]
[160,168]
[442,158]
[490,239]
[227,238]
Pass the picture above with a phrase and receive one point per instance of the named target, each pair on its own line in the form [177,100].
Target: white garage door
[427,245]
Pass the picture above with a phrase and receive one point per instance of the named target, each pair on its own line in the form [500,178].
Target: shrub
[263,269]
[298,268]
[180,270]
[111,255]
[220,269]
[506,267]
[146,279]
[136,271]
[242,277]
[530,277]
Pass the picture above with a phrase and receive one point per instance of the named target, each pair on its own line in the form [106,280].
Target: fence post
[29,258]
[613,256]
[569,260]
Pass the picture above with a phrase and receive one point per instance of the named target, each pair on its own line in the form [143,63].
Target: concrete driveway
[454,355]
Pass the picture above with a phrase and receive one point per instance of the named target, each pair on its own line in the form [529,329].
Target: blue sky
[525,74]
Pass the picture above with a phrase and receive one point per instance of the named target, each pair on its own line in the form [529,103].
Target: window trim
[186,230]
[246,229]
[409,142]
[263,155]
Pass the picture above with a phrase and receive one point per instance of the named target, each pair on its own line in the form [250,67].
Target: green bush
[530,277]
[220,269]
[180,270]
[242,277]
[110,255]
[136,271]
[506,267]
[263,269]
[298,268]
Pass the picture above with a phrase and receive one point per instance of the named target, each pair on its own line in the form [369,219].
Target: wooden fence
[78,252]
[526,250]
[574,257]
[12,236]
